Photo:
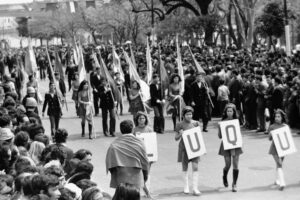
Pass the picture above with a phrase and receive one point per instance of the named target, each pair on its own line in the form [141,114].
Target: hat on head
[6,134]
[31,102]
[30,90]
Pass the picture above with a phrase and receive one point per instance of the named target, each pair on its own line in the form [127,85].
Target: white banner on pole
[150,141]
[231,134]
[283,141]
[194,143]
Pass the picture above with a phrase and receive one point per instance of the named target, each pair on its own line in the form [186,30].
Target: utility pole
[287,29]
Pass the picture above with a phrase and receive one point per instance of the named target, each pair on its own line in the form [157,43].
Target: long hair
[81,85]
[282,113]
[230,105]
[35,151]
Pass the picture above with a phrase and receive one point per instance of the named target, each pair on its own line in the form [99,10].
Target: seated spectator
[126,191]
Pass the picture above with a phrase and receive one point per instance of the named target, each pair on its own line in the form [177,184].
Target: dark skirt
[273,150]
[182,155]
[81,110]
[230,152]
[75,96]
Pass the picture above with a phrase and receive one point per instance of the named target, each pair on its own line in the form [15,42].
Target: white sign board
[193,142]
[283,141]
[150,141]
[231,134]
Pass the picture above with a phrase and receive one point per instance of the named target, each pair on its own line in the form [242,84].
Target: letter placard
[193,142]
[150,141]
[231,134]
[283,141]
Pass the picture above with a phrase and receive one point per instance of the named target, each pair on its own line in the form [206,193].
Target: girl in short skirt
[278,123]
[186,124]
[232,154]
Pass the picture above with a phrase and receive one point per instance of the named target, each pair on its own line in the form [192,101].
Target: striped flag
[163,74]
[145,90]
[75,51]
[198,66]
[132,56]
[117,63]
[110,80]
[30,60]
[180,67]
[59,66]
[149,63]
[81,67]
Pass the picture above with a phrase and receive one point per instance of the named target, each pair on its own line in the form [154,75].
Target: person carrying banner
[175,99]
[84,101]
[136,103]
[186,124]
[120,84]
[75,86]
[126,158]
[141,126]
[54,108]
[279,122]
[157,102]
[200,100]
[230,113]
[107,105]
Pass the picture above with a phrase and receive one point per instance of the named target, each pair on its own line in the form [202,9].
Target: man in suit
[95,83]
[107,105]
[200,100]
[157,103]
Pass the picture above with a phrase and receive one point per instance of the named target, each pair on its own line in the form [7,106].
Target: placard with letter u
[231,134]
[283,141]
[193,142]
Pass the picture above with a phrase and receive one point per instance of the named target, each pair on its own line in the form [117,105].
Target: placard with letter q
[150,141]
[283,141]
[193,142]
[231,134]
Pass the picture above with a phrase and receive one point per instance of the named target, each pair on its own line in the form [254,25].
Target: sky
[14,1]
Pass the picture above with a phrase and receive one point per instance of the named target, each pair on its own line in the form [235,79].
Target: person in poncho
[126,158]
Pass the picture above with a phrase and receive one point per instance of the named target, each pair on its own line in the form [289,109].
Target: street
[257,167]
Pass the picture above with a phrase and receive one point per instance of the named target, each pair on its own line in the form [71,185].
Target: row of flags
[31,66]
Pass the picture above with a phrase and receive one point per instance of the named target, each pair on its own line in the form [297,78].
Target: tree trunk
[208,36]
[94,37]
[230,29]
[41,41]
[250,16]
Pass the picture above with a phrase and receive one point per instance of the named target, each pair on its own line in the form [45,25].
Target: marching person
[135,103]
[85,103]
[75,86]
[176,101]
[107,105]
[186,124]
[200,100]
[157,102]
[54,108]
[126,158]
[141,126]
[95,83]
[120,83]
[230,113]
[279,122]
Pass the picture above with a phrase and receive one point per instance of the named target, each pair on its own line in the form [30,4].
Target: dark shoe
[205,130]
[260,130]
[105,134]
[112,135]
[281,188]
[225,181]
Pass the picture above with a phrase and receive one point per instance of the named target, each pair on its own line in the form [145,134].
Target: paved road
[257,168]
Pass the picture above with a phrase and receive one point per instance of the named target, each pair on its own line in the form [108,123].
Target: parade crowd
[259,88]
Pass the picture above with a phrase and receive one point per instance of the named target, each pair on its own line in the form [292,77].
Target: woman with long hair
[136,103]
[85,103]
[175,99]
[52,100]
[35,151]
[231,155]
[279,122]
[126,191]
[75,86]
